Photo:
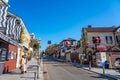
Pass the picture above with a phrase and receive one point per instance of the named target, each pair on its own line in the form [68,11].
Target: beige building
[109,38]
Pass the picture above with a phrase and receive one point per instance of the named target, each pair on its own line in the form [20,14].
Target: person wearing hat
[23,64]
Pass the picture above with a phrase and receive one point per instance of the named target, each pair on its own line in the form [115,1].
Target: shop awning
[101,48]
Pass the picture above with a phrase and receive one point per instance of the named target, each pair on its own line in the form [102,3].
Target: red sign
[101,48]
[68,43]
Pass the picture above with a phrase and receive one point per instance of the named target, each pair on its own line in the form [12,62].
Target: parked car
[117,63]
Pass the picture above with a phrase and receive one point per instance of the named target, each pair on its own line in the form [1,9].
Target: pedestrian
[23,64]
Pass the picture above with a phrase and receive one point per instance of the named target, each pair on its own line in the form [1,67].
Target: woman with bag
[23,64]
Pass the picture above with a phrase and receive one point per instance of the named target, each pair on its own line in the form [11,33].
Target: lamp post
[39,40]
[38,60]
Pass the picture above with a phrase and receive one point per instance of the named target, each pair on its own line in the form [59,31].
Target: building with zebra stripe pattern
[3,13]
[10,24]
[13,26]
[10,34]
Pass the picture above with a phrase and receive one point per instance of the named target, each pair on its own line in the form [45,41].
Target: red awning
[101,48]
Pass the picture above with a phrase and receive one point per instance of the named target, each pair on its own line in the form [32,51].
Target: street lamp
[38,60]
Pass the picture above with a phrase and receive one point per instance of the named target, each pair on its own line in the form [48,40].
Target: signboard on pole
[49,42]
[103,56]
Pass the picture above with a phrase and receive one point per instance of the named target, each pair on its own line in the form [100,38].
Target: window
[3,55]
[109,39]
[15,55]
[106,38]
[11,55]
[117,38]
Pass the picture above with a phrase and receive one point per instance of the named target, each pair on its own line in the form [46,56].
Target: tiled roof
[69,39]
[100,29]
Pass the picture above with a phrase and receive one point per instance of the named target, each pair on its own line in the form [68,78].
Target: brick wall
[11,63]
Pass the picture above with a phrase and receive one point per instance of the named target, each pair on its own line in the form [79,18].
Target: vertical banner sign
[103,56]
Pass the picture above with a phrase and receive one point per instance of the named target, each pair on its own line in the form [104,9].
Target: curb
[100,73]
[97,72]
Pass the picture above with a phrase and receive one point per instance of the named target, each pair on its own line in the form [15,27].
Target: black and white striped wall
[13,27]
[3,14]
[10,24]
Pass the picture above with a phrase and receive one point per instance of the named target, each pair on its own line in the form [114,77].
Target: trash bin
[106,65]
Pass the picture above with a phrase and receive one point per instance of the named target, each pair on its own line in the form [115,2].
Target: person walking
[23,64]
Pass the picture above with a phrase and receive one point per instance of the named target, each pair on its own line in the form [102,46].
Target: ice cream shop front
[8,54]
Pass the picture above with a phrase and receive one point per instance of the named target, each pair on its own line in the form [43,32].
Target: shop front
[10,62]
[8,53]
[3,54]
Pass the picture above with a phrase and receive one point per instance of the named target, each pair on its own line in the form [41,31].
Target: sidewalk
[108,72]
[30,75]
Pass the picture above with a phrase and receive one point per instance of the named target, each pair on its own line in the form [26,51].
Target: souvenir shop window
[3,55]
[15,55]
[12,55]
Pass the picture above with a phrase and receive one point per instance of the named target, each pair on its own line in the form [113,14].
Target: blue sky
[56,20]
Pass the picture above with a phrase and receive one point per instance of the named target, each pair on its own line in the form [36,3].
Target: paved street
[54,70]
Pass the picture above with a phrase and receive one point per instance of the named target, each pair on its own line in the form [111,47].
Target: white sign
[103,56]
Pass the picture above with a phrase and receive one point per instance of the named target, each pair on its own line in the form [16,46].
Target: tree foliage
[50,50]
[84,39]
[36,46]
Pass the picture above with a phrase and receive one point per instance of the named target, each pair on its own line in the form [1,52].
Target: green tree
[50,50]
[84,37]
[36,46]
